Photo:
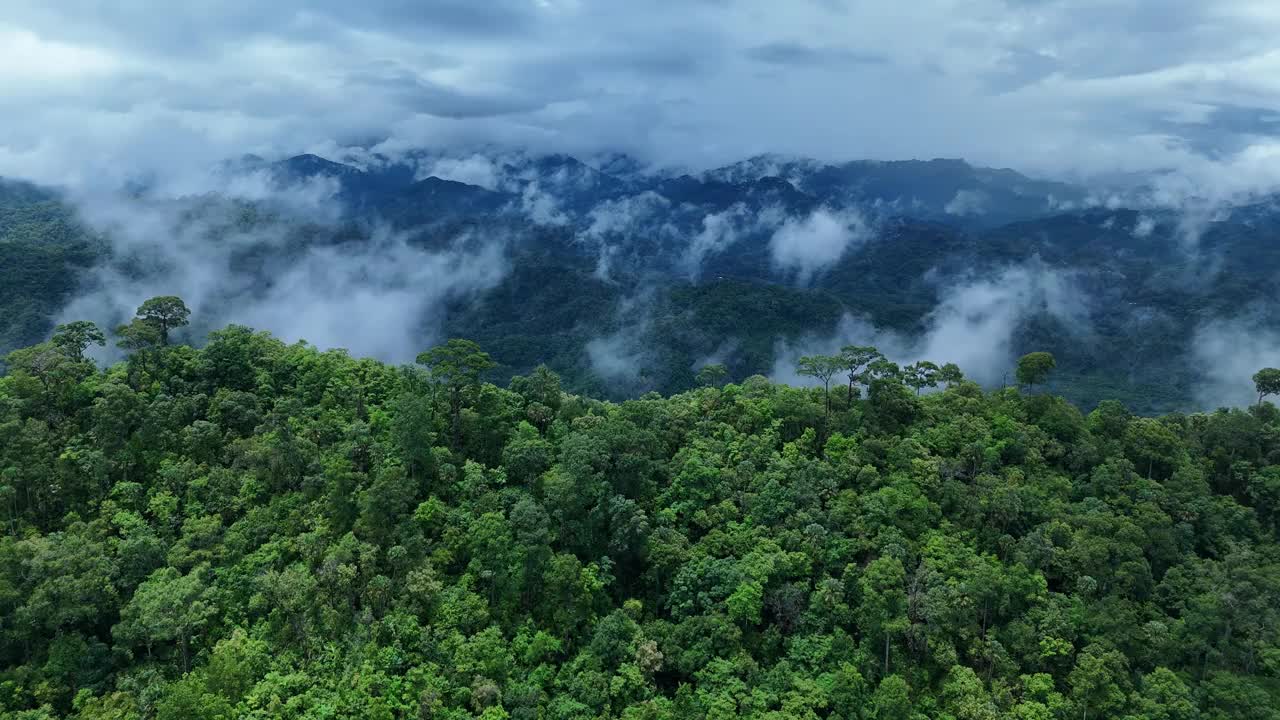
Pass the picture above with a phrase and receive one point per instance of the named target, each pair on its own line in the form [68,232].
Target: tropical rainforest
[260,529]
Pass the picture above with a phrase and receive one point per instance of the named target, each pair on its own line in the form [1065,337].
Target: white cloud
[809,245]
[474,169]
[1144,227]
[972,325]
[719,231]
[1228,353]
[967,202]
[98,91]
[382,297]
[612,221]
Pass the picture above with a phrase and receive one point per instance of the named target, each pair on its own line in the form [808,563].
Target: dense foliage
[41,249]
[253,529]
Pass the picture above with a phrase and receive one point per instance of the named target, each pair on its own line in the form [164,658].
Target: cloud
[808,245]
[611,223]
[973,324]
[622,356]
[967,202]
[616,357]
[720,231]
[793,53]
[475,169]
[1144,227]
[385,299]
[98,92]
[1228,353]
[380,296]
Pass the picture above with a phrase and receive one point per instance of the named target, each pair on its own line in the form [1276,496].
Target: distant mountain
[625,278]
[940,190]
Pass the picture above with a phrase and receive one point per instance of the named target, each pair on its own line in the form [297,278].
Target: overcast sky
[92,89]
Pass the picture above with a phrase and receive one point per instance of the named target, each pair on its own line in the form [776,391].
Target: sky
[94,90]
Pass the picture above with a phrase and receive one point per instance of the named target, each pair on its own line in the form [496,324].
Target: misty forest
[640,360]
[626,279]
[781,440]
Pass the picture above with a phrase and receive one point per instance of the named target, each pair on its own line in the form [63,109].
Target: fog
[806,246]
[1228,353]
[379,296]
[972,325]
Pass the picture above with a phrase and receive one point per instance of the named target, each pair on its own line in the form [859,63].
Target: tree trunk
[455,411]
[886,654]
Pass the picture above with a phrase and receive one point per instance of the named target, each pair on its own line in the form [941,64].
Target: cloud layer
[97,91]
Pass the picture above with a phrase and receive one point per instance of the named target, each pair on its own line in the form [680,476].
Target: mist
[280,264]
[622,356]
[1227,353]
[972,326]
[806,246]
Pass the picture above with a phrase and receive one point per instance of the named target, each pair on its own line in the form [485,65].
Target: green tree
[1164,696]
[921,375]
[1099,682]
[892,699]
[1267,382]
[884,601]
[168,607]
[75,337]
[823,368]
[855,360]
[164,314]
[712,375]
[457,366]
[1034,368]
[950,374]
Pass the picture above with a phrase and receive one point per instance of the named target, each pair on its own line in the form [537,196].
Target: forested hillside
[252,529]
[626,282]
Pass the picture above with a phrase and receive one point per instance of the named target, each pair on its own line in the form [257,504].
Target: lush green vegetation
[254,529]
[42,248]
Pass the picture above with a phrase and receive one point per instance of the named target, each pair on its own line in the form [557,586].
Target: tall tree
[855,360]
[1267,382]
[921,375]
[75,337]
[164,313]
[457,366]
[712,375]
[167,607]
[822,367]
[950,374]
[1034,368]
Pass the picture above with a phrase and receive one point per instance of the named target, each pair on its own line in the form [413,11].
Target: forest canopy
[255,529]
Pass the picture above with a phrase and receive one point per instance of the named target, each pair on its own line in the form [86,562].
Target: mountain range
[625,278]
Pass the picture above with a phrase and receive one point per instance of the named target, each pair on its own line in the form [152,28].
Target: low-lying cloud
[1227,353]
[806,246]
[238,263]
[722,230]
[622,356]
[972,326]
